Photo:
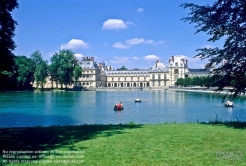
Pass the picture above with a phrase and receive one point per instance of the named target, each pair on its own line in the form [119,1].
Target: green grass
[132,144]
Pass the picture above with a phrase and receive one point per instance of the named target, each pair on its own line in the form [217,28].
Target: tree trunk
[52,82]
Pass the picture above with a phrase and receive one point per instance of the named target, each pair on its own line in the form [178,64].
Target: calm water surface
[74,108]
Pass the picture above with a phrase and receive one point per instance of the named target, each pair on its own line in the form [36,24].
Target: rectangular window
[165,83]
[153,77]
[159,83]
[159,76]
[165,76]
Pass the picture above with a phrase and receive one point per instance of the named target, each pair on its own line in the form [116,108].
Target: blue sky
[133,33]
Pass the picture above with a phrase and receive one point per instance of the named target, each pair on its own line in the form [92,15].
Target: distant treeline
[207,81]
[63,69]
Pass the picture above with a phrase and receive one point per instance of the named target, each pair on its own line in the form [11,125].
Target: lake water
[90,107]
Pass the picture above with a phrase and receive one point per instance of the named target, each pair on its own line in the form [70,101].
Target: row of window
[88,71]
[159,76]
[115,73]
[159,83]
[176,65]
[114,79]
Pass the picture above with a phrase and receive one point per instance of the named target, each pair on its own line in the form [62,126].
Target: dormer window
[176,64]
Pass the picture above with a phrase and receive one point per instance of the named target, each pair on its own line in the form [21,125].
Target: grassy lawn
[130,144]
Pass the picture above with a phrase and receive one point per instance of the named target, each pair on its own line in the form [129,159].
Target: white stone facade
[159,76]
[178,67]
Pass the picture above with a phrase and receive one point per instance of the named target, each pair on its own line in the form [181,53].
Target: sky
[130,33]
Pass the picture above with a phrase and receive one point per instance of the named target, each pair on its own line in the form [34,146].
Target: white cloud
[140,9]
[134,41]
[79,55]
[149,42]
[159,42]
[135,58]
[208,46]
[114,24]
[120,60]
[74,44]
[151,57]
[129,23]
[120,45]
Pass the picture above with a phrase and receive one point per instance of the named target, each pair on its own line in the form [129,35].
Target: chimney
[173,58]
[186,63]
[92,58]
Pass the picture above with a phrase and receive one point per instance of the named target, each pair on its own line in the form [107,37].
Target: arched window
[176,71]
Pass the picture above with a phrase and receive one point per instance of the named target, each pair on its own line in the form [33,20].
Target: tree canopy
[122,68]
[7,45]
[223,20]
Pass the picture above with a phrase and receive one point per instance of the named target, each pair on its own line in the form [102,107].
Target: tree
[66,69]
[77,72]
[54,68]
[7,45]
[41,74]
[24,71]
[223,20]
[122,68]
[180,81]
[40,68]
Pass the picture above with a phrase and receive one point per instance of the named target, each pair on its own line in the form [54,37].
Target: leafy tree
[7,45]
[122,68]
[77,72]
[66,69]
[223,20]
[24,70]
[195,81]
[41,74]
[187,81]
[37,57]
[180,81]
[53,69]
[40,68]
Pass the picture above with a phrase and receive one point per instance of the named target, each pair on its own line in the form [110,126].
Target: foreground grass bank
[132,144]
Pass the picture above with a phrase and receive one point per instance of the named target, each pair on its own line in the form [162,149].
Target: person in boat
[116,105]
[228,102]
[120,105]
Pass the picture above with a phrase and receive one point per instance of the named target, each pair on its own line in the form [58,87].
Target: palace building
[159,76]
